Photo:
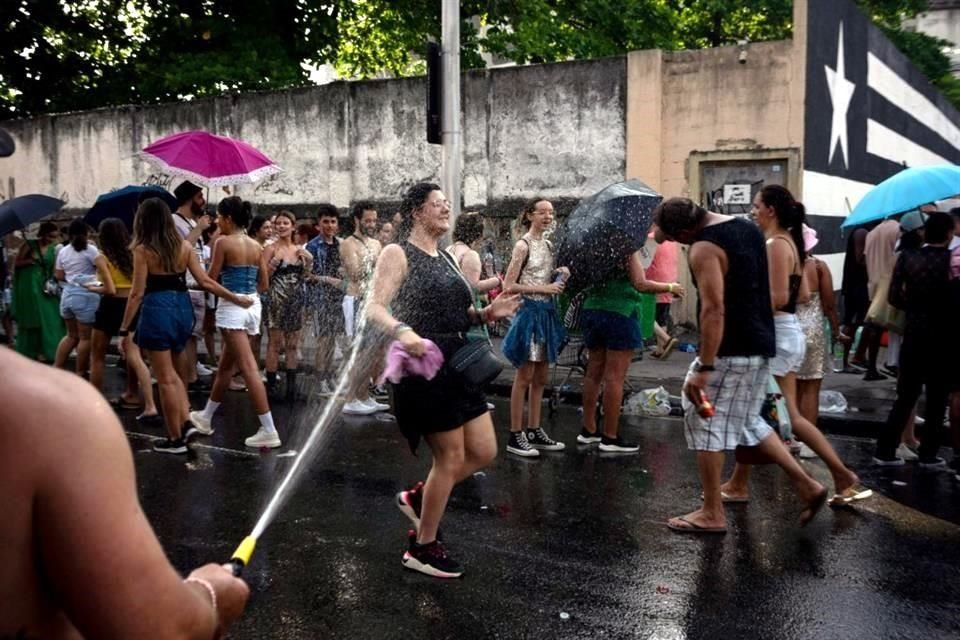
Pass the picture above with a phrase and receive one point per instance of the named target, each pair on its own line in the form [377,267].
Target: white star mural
[841,92]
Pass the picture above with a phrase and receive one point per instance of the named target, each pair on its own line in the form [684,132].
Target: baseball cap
[912,220]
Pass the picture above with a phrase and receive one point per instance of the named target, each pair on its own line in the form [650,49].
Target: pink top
[664,267]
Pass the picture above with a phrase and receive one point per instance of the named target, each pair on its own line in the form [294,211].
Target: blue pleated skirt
[536,334]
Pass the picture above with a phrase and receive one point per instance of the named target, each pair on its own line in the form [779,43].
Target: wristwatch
[699,367]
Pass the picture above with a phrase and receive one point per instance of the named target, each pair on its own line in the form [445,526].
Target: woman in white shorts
[781,219]
[238,262]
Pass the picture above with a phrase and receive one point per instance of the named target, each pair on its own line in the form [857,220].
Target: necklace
[362,240]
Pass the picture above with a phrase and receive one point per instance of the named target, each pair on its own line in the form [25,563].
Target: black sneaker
[198,386]
[538,439]
[188,431]
[518,445]
[586,437]
[617,445]
[170,446]
[430,558]
[410,502]
[888,462]
[149,421]
[931,464]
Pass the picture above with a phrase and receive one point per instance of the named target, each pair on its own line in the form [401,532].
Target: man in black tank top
[729,264]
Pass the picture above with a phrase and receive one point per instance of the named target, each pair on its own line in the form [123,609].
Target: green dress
[39,325]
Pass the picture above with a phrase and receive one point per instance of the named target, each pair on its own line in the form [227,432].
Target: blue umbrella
[909,189]
[123,203]
[25,210]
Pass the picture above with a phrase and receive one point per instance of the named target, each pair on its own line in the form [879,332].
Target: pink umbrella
[209,159]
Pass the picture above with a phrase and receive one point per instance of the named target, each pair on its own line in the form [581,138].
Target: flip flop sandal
[728,499]
[668,349]
[850,495]
[120,403]
[694,528]
[813,507]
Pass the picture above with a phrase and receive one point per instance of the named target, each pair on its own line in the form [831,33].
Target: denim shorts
[78,303]
[791,345]
[609,330]
[166,321]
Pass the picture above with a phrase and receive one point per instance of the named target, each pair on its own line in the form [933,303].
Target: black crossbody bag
[476,360]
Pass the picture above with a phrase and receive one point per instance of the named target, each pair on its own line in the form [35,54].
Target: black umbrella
[123,204]
[604,230]
[25,210]
[7,147]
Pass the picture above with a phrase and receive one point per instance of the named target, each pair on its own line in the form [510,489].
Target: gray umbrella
[7,146]
[25,210]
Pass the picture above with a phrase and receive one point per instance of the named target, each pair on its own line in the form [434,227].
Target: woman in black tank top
[418,293]
[781,218]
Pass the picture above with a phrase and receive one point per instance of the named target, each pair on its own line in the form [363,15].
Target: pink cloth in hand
[401,363]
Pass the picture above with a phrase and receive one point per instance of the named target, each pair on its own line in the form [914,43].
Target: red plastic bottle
[705,407]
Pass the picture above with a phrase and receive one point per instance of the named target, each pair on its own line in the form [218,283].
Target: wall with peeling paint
[556,130]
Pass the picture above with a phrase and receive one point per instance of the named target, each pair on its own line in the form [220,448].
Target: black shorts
[110,315]
[433,406]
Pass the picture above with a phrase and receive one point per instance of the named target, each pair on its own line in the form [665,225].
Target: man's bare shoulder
[43,400]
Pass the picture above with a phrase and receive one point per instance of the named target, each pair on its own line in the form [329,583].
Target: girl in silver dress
[536,334]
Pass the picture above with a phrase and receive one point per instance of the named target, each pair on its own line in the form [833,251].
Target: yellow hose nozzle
[241,557]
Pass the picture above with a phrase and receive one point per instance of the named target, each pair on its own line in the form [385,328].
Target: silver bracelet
[213,594]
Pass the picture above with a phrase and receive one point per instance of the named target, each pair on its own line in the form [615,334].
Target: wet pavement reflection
[571,545]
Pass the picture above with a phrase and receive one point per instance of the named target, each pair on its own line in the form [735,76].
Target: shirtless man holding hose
[79,558]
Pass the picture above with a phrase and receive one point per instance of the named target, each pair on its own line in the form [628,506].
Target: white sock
[210,409]
[266,422]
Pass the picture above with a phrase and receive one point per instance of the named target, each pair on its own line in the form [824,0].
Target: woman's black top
[166,282]
[433,299]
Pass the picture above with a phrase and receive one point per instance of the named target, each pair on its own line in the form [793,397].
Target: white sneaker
[806,452]
[204,371]
[201,423]
[263,438]
[918,421]
[905,452]
[376,406]
[357,408]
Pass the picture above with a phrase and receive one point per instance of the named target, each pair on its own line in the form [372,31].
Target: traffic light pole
[451,168]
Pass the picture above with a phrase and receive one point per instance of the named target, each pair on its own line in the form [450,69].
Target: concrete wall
[704,101]
[941,23]
[686,108]
[556,130]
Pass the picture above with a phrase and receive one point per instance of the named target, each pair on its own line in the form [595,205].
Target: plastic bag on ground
[832,402]
[649,402]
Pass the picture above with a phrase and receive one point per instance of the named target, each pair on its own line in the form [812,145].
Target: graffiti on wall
[276,185]
[164,180]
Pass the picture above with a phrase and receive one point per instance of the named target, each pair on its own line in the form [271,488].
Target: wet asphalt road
[576,532]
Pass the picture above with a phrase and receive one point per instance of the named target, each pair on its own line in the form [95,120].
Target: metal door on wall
[729,187]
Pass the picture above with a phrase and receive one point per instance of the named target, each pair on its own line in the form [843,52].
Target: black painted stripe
[832,238]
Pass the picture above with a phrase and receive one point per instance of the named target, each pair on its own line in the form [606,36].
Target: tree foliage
[78,54]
